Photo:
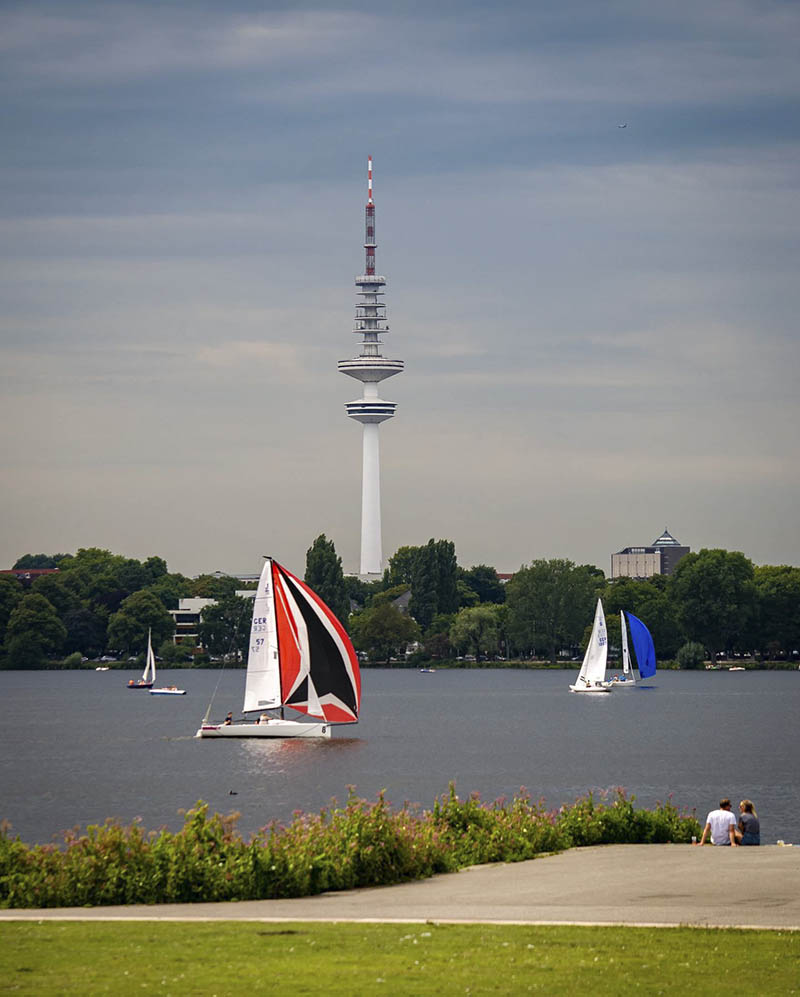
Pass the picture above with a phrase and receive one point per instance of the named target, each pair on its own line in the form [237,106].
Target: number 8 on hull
[299,657]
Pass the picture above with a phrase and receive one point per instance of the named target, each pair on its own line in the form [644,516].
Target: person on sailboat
[720,825]
[229,718]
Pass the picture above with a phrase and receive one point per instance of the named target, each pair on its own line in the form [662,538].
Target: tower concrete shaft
[370,367]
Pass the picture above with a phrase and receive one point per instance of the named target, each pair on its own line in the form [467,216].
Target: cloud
[598,324]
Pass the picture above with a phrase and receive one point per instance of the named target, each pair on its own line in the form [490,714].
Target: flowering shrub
[359,844]
[589,823]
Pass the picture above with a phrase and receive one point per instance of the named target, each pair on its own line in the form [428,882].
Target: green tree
[690,655]
[401,567]
[139,612]
[778,607]
[86,632]
[361,592]
[59,594]
[476,628]
[225,626]
[438,646]
[214,586]
[325,576]
[549,603]
[175,654]
[434,588]
[155,567]
[383,632]
[101,578]
[648,599]
[11,594]
[34,632]
[484,582]
[171,588]
[388,595]
[466,596]
[28,561]
[715,597]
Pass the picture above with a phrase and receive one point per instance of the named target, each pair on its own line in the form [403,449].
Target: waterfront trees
[476,628]
[225,626]
[140,612]
[777,590]
[549,603]
[383,632]
[11,593]
[434,587]
[325,576]
[649,599]
[715,597]
[34,632]
[484,582]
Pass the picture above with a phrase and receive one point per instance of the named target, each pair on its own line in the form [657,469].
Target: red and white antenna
[369,234]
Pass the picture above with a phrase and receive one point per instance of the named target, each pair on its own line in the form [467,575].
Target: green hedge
[359,844]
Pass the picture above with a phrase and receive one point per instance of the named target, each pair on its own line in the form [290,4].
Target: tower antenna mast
[370,367]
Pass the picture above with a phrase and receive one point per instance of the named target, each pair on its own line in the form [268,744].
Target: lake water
[78,747]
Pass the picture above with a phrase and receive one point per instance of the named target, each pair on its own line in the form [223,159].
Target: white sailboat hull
[275,728]
[591,689]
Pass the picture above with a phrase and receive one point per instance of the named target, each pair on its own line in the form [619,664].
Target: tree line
[717,602]
[426,607]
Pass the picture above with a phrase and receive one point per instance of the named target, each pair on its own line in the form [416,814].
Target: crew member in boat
[264,718]
[229,718]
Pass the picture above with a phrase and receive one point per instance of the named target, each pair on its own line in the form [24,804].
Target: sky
[587,215]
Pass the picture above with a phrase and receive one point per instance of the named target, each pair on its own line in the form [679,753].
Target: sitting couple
[722,827]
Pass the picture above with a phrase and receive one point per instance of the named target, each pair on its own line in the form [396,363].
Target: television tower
[370,410]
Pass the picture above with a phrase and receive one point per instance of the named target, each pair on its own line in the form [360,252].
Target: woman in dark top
[748,831]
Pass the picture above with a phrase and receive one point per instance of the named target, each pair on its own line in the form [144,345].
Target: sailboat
[644,650]
[299,657]
[149,674]
[628,680]
[592,676]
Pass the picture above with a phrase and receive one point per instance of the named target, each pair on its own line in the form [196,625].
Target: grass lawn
[56,957]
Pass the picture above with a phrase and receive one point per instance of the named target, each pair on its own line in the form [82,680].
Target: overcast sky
[599,323]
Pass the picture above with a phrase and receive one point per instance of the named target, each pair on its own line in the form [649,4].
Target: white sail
[149,673]
[627,669]
[593,669]
[263,685]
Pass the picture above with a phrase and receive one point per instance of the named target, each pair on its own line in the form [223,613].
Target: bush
[360,844]
[691,655]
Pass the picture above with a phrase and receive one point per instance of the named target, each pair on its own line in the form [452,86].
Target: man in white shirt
[721,825]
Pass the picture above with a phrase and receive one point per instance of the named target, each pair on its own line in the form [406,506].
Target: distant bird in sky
[623,126]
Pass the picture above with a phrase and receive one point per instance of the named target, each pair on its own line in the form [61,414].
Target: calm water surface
[78,747]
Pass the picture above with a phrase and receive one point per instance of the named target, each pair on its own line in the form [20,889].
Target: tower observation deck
[370,367]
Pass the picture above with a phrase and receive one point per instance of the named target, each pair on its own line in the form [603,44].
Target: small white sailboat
[592,676]
[300,657]
[168,690]
[147,681]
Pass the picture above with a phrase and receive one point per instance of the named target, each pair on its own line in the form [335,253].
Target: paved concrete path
[612,884]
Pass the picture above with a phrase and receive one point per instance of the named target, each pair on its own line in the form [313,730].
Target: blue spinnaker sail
[643,646]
